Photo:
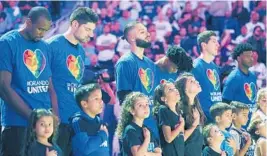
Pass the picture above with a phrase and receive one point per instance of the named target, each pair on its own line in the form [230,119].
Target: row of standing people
[57,68]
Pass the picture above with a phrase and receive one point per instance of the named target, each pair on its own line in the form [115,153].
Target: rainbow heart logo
[75,66]
[162,81]
[35,61]
[250,91]
[147,78]
[214,78]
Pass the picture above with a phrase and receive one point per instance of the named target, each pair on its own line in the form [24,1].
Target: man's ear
[84,104]
[217,119]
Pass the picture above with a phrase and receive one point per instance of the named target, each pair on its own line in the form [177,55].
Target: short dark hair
[37,12]
[130,26]
[178,56]
[206,133]
[240,48]
[84,15]
[83,92]
[256,27]
[204,37]
[253,127]
[237,107]
[218,109]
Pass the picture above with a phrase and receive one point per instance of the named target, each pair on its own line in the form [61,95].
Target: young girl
[136,138]
[41,134]
[194,117]
[258,131]
[261,111]
[171,123]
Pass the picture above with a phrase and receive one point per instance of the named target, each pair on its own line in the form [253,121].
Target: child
[261,101]
[171,123]
[213,138]
[193,114]
[258,130]
[241,137]
[41,134]
[90,136]
[136,138]
[222,115]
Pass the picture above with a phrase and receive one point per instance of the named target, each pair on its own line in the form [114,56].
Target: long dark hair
[187,109]
[158,93]
[31,134]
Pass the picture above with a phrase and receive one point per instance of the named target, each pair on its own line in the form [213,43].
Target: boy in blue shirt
[222,116]
[67,64]
[90,136]
[25,81]
[206,71]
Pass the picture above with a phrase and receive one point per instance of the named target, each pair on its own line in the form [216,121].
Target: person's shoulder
[55,39]
[126,59]
[11,35]
[163,108]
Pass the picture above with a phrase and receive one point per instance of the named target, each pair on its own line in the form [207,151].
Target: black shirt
[38,149]
[169,118]
[210,152]
[132,136]
[194,143]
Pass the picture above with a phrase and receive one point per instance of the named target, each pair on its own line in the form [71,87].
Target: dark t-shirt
[132,136]
[169,118]
[193,145]
[38,149]
[209,152]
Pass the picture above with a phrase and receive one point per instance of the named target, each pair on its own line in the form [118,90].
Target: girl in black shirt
[41,134]
[194,117]
[171,123]
[136,138]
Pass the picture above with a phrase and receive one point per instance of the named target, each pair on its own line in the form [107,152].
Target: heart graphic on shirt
[214,78]
[147,78]
[35,61]
[162,81]
[250,90]
[75,66]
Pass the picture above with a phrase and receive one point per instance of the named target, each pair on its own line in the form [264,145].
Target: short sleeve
[163,117]
[6,58]
[124,78]
[229,89]
[133,139]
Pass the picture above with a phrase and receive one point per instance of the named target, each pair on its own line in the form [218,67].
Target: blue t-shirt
[241,87]
[164,76]
[207,74]
[67,63]
[135,74]
[27,61]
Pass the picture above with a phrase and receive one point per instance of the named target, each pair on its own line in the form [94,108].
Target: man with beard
[67,63]
[134,71]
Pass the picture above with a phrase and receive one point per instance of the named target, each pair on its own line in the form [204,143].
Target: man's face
[142,36]
[212,47]
[38,29]
[83,32]
[246,59]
